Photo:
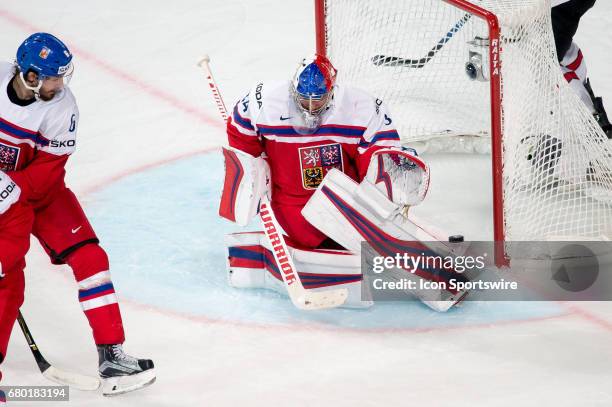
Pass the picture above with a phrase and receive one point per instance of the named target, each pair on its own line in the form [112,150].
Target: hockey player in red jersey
[326,155]
[305,128]
[15,225]
[38,124]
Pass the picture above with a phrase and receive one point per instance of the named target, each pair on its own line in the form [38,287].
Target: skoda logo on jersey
[62,144]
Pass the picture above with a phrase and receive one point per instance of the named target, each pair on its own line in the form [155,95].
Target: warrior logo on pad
[317,161]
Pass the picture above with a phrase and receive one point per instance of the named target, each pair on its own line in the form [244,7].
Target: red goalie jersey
[267,121]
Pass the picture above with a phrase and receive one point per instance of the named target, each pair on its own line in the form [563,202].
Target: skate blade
[114,386]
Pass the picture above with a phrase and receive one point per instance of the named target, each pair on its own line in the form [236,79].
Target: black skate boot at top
[122,373]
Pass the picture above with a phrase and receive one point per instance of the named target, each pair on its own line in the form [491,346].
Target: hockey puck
[455,238]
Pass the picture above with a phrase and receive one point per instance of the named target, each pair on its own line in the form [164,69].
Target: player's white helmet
[313,88]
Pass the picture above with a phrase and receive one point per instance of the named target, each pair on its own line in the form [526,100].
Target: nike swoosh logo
[285,118]
[76,229]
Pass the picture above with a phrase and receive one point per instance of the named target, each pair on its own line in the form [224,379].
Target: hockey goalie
[329,159]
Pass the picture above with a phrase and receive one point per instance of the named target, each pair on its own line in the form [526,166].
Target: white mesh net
[557,163]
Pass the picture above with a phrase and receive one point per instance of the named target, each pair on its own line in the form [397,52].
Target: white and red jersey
[355,126]
[36,138]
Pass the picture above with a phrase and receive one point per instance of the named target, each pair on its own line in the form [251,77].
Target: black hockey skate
[122,373]
[600,113]
[599,172]
[543,153]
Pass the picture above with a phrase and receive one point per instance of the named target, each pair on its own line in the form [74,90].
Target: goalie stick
[52,373]
[384,60]
[300,297]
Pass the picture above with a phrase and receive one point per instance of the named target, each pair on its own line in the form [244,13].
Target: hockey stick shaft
[75,380]
[384,60]
[205,65]
[42,363]
[300,297]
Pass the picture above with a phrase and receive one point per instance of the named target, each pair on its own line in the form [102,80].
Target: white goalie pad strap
[246,181]
[251,265]
[9,192]
[395,179]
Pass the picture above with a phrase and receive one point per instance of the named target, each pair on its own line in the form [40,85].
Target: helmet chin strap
[35,89]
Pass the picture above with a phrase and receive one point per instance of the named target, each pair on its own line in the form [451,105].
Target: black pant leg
[565,20]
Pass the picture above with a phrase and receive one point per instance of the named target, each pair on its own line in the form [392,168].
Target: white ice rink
[148,175]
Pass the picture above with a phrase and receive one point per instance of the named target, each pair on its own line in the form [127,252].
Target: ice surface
[150,188]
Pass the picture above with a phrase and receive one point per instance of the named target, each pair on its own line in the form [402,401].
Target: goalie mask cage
[551,163]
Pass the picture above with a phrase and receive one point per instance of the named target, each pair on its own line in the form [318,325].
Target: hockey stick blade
[73,380]
[314,300]
[384,60]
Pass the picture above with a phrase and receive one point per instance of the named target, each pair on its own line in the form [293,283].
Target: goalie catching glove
[395,180]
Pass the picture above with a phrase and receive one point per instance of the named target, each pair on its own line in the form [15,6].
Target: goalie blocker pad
[246,180]
[338,210]
[250,264]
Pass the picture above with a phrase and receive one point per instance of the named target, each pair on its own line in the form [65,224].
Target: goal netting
[454,82]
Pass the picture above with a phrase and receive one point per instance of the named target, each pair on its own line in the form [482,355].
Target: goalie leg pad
[250,264]
[338,211]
